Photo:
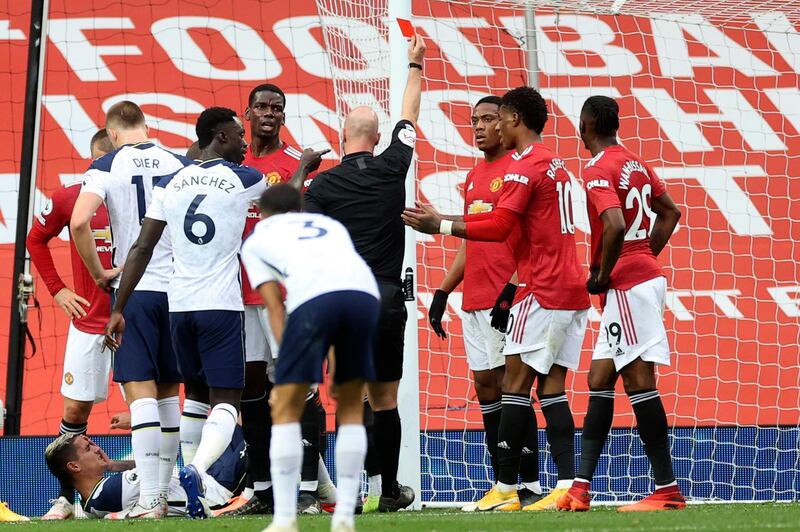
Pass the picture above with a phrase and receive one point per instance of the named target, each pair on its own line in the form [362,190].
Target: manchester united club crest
[273,178]
[68,378]
[496,184]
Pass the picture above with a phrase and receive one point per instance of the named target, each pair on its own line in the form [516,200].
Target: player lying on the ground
[79,462]
[86,363]
[632,218]
[486,268]
[330,301]
[550,314]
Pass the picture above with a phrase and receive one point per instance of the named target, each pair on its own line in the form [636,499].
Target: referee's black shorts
[390,336]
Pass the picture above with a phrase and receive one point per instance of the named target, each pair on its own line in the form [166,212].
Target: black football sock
[66,490]
[529,455]
[323,426]
[596,426]
[560,433]
[387,433]
[309,429]
[653,430]
[256,427]
[491,410]
[515,420]
[372,463]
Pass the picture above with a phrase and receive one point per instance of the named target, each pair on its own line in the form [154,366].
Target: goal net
[708,96]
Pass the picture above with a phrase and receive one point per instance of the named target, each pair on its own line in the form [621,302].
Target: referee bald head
[361,130]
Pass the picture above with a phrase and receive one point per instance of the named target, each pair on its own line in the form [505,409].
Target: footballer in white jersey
[204,207]
[332,301]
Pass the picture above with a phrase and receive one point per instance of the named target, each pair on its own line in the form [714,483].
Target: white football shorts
[86,367]
[632,325]
[543,337]
[483,343]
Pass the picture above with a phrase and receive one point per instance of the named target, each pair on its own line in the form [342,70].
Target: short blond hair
[58,454]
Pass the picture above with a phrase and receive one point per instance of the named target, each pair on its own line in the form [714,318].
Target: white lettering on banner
[8,34]
[580,216]
[673,50]
[720,185]
[259,62]
[9,196]
[176,103]
[595,37]
[787,299]
[461,53]
[70,115]
[781,35]
[683,129]
[787,100]
[304,126]
[311,56]
[675,305]
[439,130]
[723,300]
[83,57]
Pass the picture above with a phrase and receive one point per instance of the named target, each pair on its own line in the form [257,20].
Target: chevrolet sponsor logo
[102,234]
[478,207]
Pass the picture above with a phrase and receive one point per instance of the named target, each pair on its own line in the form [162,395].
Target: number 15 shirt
[205,207]
[616,177]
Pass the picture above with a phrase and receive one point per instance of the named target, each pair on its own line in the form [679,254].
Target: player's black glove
[593,286]
[502,307]
[436,312]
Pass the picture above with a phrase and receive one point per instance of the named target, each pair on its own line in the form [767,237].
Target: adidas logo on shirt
[306,443]
[503,445]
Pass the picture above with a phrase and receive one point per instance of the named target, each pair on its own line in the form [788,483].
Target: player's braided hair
[209,122]
[604,112]
[265,87]
[496,100]
[529,105]
[58,454]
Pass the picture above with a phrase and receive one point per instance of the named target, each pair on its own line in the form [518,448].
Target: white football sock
[192,421]
[309,485]
[375,486]
[262,485]
[169,414]
[217,434]
[286,459]
[326,489]
[146,442]
[535,487]
[351,448]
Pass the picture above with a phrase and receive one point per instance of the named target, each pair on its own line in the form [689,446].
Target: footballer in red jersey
[280,163]
[632,217]
[548,319]
[86,364]
[485,269]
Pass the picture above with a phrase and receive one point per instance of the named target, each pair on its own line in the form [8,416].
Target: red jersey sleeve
[47,225]
[600,190]
[517,188]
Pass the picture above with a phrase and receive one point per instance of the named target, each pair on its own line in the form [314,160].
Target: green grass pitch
[784,516]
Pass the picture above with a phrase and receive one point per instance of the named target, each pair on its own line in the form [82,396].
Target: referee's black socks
[387,441]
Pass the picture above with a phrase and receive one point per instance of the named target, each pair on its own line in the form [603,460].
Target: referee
[366,193]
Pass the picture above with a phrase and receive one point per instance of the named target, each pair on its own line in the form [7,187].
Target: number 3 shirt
[205,206]
[537,187]
[310,254]
[616,178]
[124,179]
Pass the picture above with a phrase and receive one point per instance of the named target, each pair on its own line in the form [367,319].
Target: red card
[406,28]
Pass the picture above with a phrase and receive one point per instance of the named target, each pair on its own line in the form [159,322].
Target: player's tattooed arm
[118,466]
[135,265]
[81,231]
[667,216]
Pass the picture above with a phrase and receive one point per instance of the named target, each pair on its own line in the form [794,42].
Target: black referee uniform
[367,195]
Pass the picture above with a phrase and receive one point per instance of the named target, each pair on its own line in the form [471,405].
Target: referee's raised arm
[366,193]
